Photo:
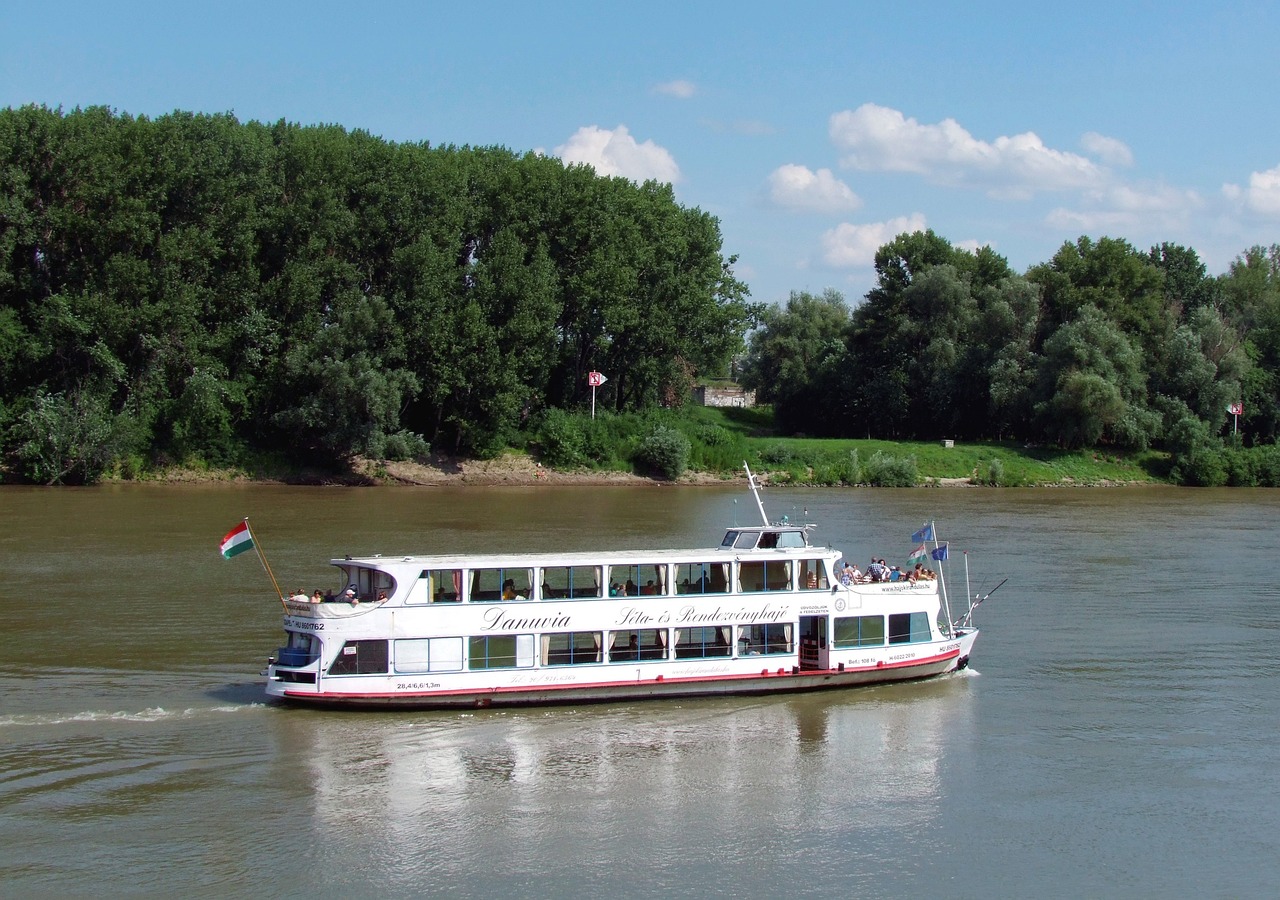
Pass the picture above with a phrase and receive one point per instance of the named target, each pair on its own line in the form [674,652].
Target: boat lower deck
[644,686]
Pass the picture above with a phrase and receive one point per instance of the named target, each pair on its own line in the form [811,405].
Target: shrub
[405,445]
[883,470]
[561,439]
[665,452]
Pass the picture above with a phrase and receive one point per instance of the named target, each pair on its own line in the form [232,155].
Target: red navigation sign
[595,379]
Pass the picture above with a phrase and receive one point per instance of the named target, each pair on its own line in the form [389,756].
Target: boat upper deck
[738,541]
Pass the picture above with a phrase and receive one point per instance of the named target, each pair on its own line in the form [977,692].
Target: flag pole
[942,578]
[257,546]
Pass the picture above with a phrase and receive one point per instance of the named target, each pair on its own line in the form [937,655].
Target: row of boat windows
[624,580]
[414,656]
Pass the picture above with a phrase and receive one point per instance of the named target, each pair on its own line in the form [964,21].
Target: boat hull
[769,681]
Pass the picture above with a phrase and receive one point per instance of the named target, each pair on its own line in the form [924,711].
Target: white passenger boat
[764,611]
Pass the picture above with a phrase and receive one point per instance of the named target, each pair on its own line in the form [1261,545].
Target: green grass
[803,460]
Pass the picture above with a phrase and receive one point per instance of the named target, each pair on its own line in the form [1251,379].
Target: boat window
[643,643]
[792,539]
[500,651]
[858,631]
[570,582]
[634,581]
[693,643]
[571,648]
[702,578]
[369,583]
[729,538]
[909,628]
[437,586]
[758,640]
[746,540]
[762,575]
[429,655]
[361,658]
[813,575]
[488,585]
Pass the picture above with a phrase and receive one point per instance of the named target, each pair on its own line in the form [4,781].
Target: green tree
[794,359]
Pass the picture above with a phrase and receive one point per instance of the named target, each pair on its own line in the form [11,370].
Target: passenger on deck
[649,588]
[631,588]
[382,596]
[877,570]
[509,589]
[317,597]
[351,596]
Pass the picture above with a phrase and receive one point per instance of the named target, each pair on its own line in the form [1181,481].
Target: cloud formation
[850,246]
[616,152]
[1262,196]
[877,138]
[1111,151]
[1123,207]
[678,88]
[797,188]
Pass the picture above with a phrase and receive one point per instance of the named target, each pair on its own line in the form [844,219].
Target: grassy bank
[716,441]
[699,445]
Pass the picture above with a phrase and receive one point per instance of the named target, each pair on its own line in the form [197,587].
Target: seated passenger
[811,581]
[350,596]
[317,597]
[509,589]
[382,596]
[649,588]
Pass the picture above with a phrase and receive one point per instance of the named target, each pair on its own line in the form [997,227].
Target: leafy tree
[1091,386]
[794,359]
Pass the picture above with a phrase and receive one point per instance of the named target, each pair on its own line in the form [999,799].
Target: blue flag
[940,553]
[924,534]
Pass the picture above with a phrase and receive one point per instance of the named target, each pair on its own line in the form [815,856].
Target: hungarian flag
[917,555]
[238,540]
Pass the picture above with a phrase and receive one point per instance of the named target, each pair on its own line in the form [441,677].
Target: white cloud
[616,152]
[678,88]
[847,246]
[1128,208]
[1111,151]
[797,188]
[877,138]
[1262,195]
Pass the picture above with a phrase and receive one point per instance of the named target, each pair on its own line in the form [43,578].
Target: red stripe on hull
[652,688]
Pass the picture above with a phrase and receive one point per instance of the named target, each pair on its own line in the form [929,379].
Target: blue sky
[813,131]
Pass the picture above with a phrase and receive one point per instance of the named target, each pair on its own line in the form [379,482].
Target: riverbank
[521,469]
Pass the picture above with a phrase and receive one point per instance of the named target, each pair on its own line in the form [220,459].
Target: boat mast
[755,492]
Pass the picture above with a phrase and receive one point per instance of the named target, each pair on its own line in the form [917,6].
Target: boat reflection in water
[569,791]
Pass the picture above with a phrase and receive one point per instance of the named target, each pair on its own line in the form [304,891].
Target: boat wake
[154,714]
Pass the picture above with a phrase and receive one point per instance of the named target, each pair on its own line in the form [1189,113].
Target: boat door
[813,642]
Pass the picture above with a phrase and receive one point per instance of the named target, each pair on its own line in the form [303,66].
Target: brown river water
[1118,733]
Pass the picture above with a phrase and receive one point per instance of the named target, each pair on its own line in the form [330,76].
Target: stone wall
[723,396]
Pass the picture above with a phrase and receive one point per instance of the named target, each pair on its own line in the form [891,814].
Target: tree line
[1102,345]
[196,288]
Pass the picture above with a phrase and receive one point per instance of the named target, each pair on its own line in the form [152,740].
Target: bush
[995,473]
[68,438]
[883,470]
[405,445]
[561,439]
[665,452]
